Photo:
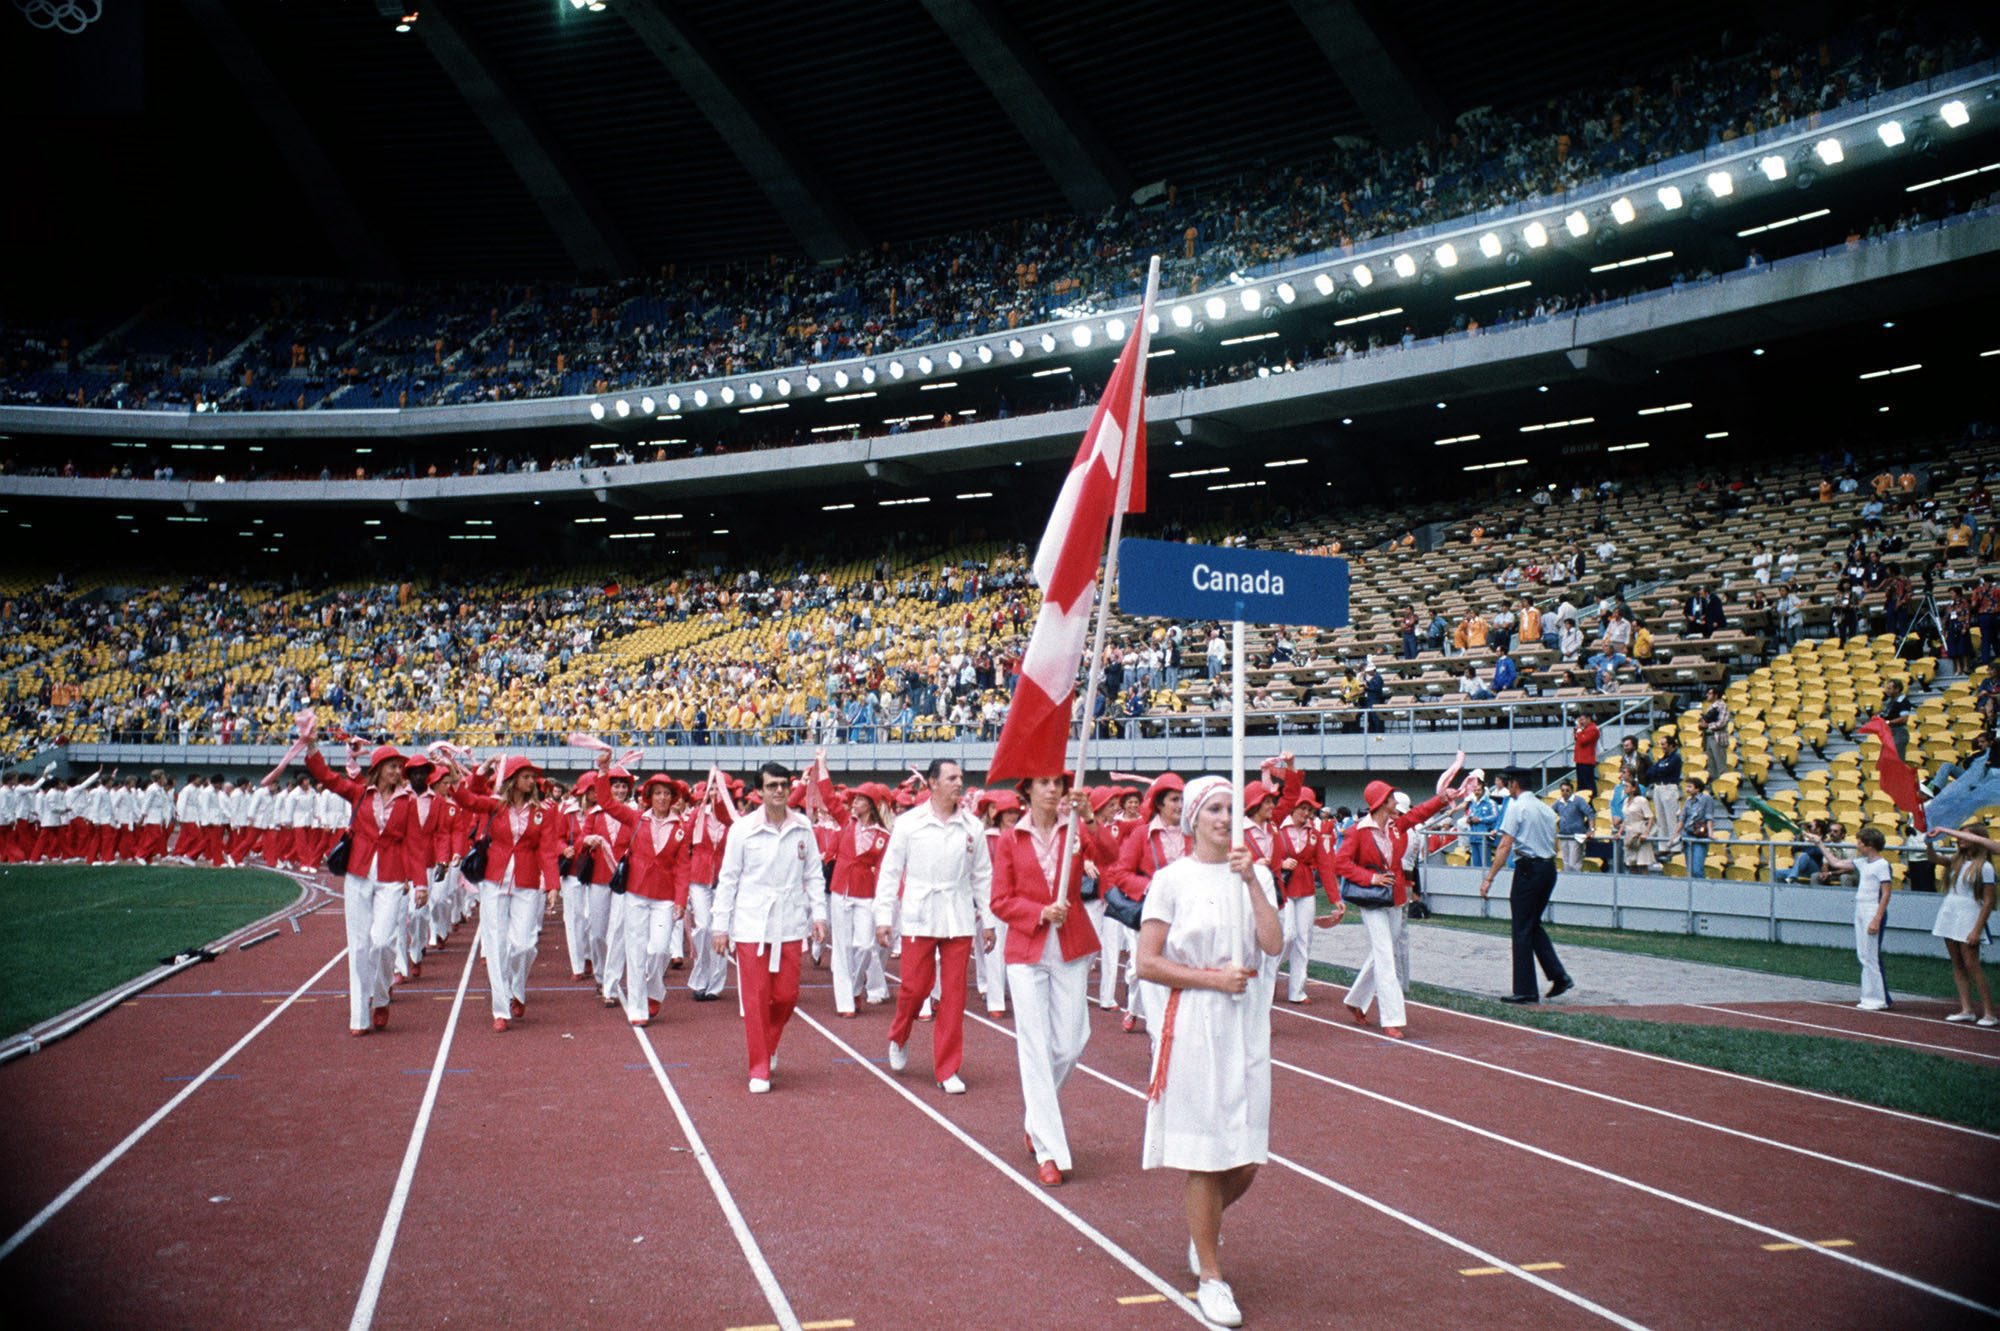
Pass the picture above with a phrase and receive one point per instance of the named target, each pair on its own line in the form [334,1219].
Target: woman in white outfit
[1210,925]
[511,889]
[1962,916]
[377,876]
[863,836]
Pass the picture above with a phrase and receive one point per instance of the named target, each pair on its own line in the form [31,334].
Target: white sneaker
[898,1060]
[760,1085]
[1987,1021]
[1871,1007]
[1218,1303]
[1963,1016]
[952,1085]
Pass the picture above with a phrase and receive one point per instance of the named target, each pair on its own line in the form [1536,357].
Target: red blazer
[598,822]
[377,851]
[509,863]
[1138,860]
[558,836]
[1358,857]
[1020,890]
[704,862]
[1301,844]
[425,844]
[655,874]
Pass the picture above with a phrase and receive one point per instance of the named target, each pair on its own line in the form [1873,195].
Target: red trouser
[106,849]
[150,842]
[768,999]
[921,958]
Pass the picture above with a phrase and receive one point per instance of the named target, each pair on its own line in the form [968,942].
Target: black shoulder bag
[1120,906]
[1365,895]
[473,866]
[336,859]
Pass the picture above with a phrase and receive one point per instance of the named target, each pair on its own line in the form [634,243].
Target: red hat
[1256,793]
[1162,783]
[1377,793]
[617,774]
[877,794]
[1003,801]
[584,783]
[1067,778]
[797,799]
[1103,795]
[384,753]
[905,800]
[417,762]
[657,779]
[1308,800]
[512,767]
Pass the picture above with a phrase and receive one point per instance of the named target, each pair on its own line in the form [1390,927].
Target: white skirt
[1957,913]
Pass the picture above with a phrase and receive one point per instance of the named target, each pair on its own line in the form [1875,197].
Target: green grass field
[1906,1079]
[70,932]
[1916,975]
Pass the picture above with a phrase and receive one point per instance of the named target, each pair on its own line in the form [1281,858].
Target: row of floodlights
[1535,235]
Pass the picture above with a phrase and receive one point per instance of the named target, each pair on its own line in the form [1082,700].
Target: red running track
[554,1146]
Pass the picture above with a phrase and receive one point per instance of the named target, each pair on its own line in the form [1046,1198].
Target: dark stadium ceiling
[523,138]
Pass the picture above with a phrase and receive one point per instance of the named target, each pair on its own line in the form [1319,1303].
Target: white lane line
[1841,1100]
[1556,1157]
[385,1242]
[1966,1026]
[1619,1100]
[1383,1208]
[1168,1289]
[1848,1030]
[69,1194]
[774,1294]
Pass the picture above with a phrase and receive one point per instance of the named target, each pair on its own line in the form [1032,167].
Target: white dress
[1959,910]
[1215,1110]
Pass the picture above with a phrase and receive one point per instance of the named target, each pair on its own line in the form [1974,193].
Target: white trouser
[611,977]
[1378,980]
[372,920]
[856,959]
[438,914]
[1110,944]
[677,943]
[1051,1026]
[406,933]
[708,973]
[1868,948]
[510,927]
[649,927]
[597,924]
[993,967]
[1297,918]
[576,924]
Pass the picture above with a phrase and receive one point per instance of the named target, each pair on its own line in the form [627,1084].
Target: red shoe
[499,1023]
[381,1019]
[1028,1142]
[1050,1176]
[676,963]
[576,977]
[416,970]
[642,1021]
[1130,1024]
[845,1014]
[589,970]
[1360,1016]
[1393,1032]
[996,1013]
[361,1031]
[652,1007]
[516,1008]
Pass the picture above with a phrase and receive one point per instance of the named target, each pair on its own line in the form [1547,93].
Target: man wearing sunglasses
[769,896]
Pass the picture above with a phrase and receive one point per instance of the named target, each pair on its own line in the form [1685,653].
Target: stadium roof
[523,138]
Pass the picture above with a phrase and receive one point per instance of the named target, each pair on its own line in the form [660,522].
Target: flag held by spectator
[1066,566]
[1955,805]
[1775,819]
[1898,778]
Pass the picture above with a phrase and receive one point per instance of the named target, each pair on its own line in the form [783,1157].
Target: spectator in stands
[1469,684]
[1697,825]
[1716,729]
[1573,819]
[1506,674]
[1809,857]
[1583,744]
[1664,774]
[1635,828]
[1217,653]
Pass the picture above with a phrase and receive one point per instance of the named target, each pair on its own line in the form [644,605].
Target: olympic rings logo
[70,16]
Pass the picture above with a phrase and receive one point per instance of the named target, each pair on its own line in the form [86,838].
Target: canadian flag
[1898,778]
[1033,740]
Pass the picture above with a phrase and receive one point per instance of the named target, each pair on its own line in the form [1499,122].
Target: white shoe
[898,1060]
[1871,1007]
[760,1085]
[1987,1021]
[1218,1303]
[774,1062]
[1963,1016]
[952,1085]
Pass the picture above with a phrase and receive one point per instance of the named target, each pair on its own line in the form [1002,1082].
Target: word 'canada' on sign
[1261,583]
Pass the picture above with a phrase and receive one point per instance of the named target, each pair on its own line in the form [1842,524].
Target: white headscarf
[1199,791]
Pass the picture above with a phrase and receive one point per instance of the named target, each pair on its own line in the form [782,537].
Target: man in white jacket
[232,817]
[937,853]
[156,819]
[769,896]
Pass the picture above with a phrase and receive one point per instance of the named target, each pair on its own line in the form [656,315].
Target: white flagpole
[1134,418]
[1236,726]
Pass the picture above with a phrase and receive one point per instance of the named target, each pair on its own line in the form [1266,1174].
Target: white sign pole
[1236,730]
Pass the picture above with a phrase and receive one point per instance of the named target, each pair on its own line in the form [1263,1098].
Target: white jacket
[770,887]
[334,811]
[261,808]
[231,808]
[156,806]
[945,873]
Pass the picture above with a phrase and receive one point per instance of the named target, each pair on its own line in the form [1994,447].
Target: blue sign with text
[1220,582]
